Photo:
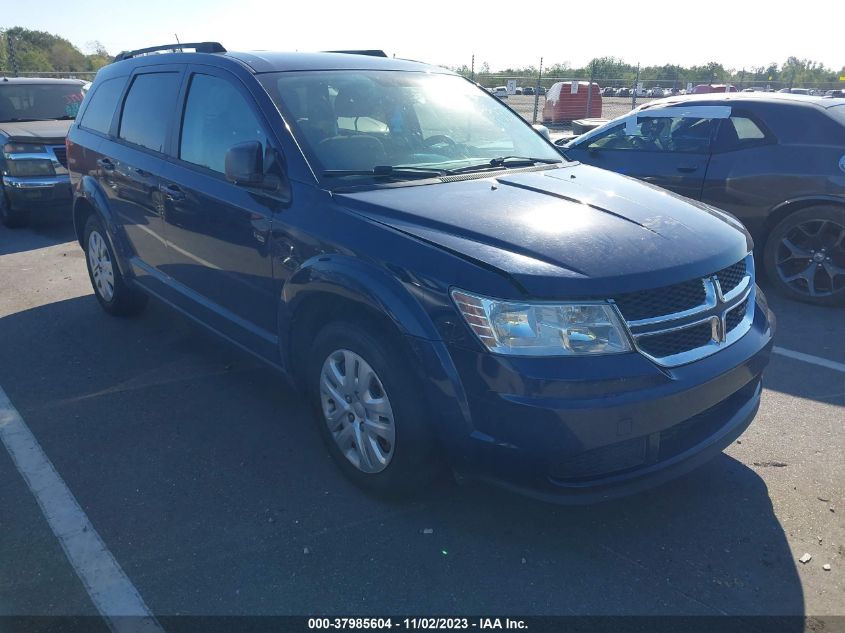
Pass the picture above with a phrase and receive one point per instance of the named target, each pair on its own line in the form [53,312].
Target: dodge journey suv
[440,283]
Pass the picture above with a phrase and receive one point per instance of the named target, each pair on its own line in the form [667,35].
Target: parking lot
[612,107]
[201,472]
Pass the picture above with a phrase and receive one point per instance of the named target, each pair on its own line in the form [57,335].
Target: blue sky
[735,33]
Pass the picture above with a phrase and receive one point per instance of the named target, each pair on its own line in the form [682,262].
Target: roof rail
[199,47]
[371,52]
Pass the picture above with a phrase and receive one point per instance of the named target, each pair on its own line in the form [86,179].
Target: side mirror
[245,164]
[542,129]
[561,142]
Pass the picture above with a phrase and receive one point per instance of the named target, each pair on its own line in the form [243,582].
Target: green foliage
[612,71]
[38,51]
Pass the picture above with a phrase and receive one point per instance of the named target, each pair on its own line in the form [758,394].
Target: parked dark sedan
[775,161]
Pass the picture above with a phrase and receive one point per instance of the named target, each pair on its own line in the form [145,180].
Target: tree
[38,51]
[95,47]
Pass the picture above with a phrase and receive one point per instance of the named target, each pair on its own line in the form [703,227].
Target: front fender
[90,193]
[354,279]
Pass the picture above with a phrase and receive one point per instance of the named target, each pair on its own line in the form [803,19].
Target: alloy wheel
[357,411]
[811,258]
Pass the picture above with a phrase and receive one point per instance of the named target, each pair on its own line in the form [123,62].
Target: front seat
[351,152]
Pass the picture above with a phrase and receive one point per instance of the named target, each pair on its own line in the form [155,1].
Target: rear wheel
[369,411]
[805,255]
[9,217]
[111,290]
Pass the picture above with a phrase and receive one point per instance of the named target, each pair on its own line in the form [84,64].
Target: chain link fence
[616,95]
[87,75]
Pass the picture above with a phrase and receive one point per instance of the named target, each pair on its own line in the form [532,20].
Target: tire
[411,456]
[113,293]
[804,255]
[9,217]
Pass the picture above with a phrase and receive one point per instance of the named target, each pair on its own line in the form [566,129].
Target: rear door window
[148,109]
[740,131]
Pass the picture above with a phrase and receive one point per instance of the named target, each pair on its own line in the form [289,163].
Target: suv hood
[48,132]
[571,231]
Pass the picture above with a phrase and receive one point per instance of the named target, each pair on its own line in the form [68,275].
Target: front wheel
[805,255]
[112,292]
[369,411]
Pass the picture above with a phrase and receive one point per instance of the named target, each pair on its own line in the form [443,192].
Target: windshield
[363,120]
[33,102]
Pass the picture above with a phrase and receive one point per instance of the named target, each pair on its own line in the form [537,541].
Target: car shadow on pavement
[807,329]
[203,474]
[706,544]
[41,233]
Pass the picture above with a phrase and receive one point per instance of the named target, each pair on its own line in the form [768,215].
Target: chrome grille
[730,277]
[735,316]
[684,322]
[648,304]
[677,341]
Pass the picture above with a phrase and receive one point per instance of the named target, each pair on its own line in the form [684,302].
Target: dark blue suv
[423,264]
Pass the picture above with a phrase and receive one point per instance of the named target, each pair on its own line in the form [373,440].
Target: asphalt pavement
[201,472]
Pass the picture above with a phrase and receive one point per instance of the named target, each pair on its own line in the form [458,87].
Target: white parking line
[809,358]
[112,593]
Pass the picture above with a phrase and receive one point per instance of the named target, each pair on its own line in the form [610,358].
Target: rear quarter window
[802,123]
[838,113]
[102,104]
[148,109]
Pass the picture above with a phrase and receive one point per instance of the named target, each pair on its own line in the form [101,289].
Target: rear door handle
[687,169]
[173,192]
[106,164]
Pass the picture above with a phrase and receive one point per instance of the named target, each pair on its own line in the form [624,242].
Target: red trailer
[567,100]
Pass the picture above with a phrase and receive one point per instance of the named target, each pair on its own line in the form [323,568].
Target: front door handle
[173,193]
[106,164]
[687,169]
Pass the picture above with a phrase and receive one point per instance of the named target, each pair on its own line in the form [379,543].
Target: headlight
[22,148]
[543,329]
[30,167]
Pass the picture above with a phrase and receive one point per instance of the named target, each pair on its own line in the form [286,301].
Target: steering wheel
[644,144]
[439,139]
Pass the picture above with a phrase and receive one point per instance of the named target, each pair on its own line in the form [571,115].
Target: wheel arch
[788,207]
[340,287]
[91,200]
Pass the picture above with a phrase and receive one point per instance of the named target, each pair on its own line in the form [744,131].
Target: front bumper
[34,192]
[581,430]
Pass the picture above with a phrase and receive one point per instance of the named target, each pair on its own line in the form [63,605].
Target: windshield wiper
[506,161]
[388,171]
